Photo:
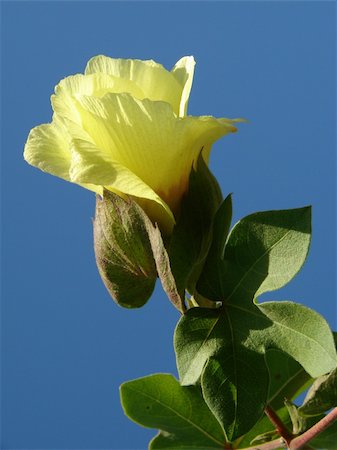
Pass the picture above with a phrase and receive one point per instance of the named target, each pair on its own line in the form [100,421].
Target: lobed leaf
[158,401]
[288,379]
[264,251]
[225,348]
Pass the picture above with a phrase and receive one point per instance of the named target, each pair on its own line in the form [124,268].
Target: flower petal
[90,165]
[47,148]
[152,78]
[150,140]
[183,72]
[97,84]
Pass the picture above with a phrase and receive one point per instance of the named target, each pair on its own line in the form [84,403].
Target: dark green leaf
[191,236]
[229,395]
[287,378]
[222,347]
[263,430]
[123,250]
[264,252]
[158,401]
[211,278]
[322,396]
[326,440]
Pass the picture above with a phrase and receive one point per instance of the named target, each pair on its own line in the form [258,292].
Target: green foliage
[236,355]
[180,261]
[326,440]
[299,424]
[123,250]
[288,379]
[264,252]
[192,234]
[224,349]
[158,401]
[211,279]
[322,395]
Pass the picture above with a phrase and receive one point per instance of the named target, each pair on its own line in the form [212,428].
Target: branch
[315,430]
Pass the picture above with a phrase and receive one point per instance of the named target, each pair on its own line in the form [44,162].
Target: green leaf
[263,430]
[288,379]
[192,234]
[265,437]
[229,394]
[322,396]
[123,250]
[211,278]
[158,401]
[264,252]
[226,348]
[303,334]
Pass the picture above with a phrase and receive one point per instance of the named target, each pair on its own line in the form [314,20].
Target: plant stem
[300,441]
[297,443]
[279,425]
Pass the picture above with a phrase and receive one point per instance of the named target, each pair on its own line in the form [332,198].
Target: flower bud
[123,250]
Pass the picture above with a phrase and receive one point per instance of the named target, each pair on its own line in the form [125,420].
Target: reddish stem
[279,425]
[299,442]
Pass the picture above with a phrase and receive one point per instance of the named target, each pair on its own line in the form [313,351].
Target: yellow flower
[122,126]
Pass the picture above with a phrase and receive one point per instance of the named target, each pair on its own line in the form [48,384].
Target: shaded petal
[153,79]
[89,164]
[150,140]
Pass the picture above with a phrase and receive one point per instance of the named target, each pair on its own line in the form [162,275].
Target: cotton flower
[122,126]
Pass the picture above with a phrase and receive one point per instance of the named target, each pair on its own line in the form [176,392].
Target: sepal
[192,235]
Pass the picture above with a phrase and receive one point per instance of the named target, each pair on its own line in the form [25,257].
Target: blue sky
[66,345]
